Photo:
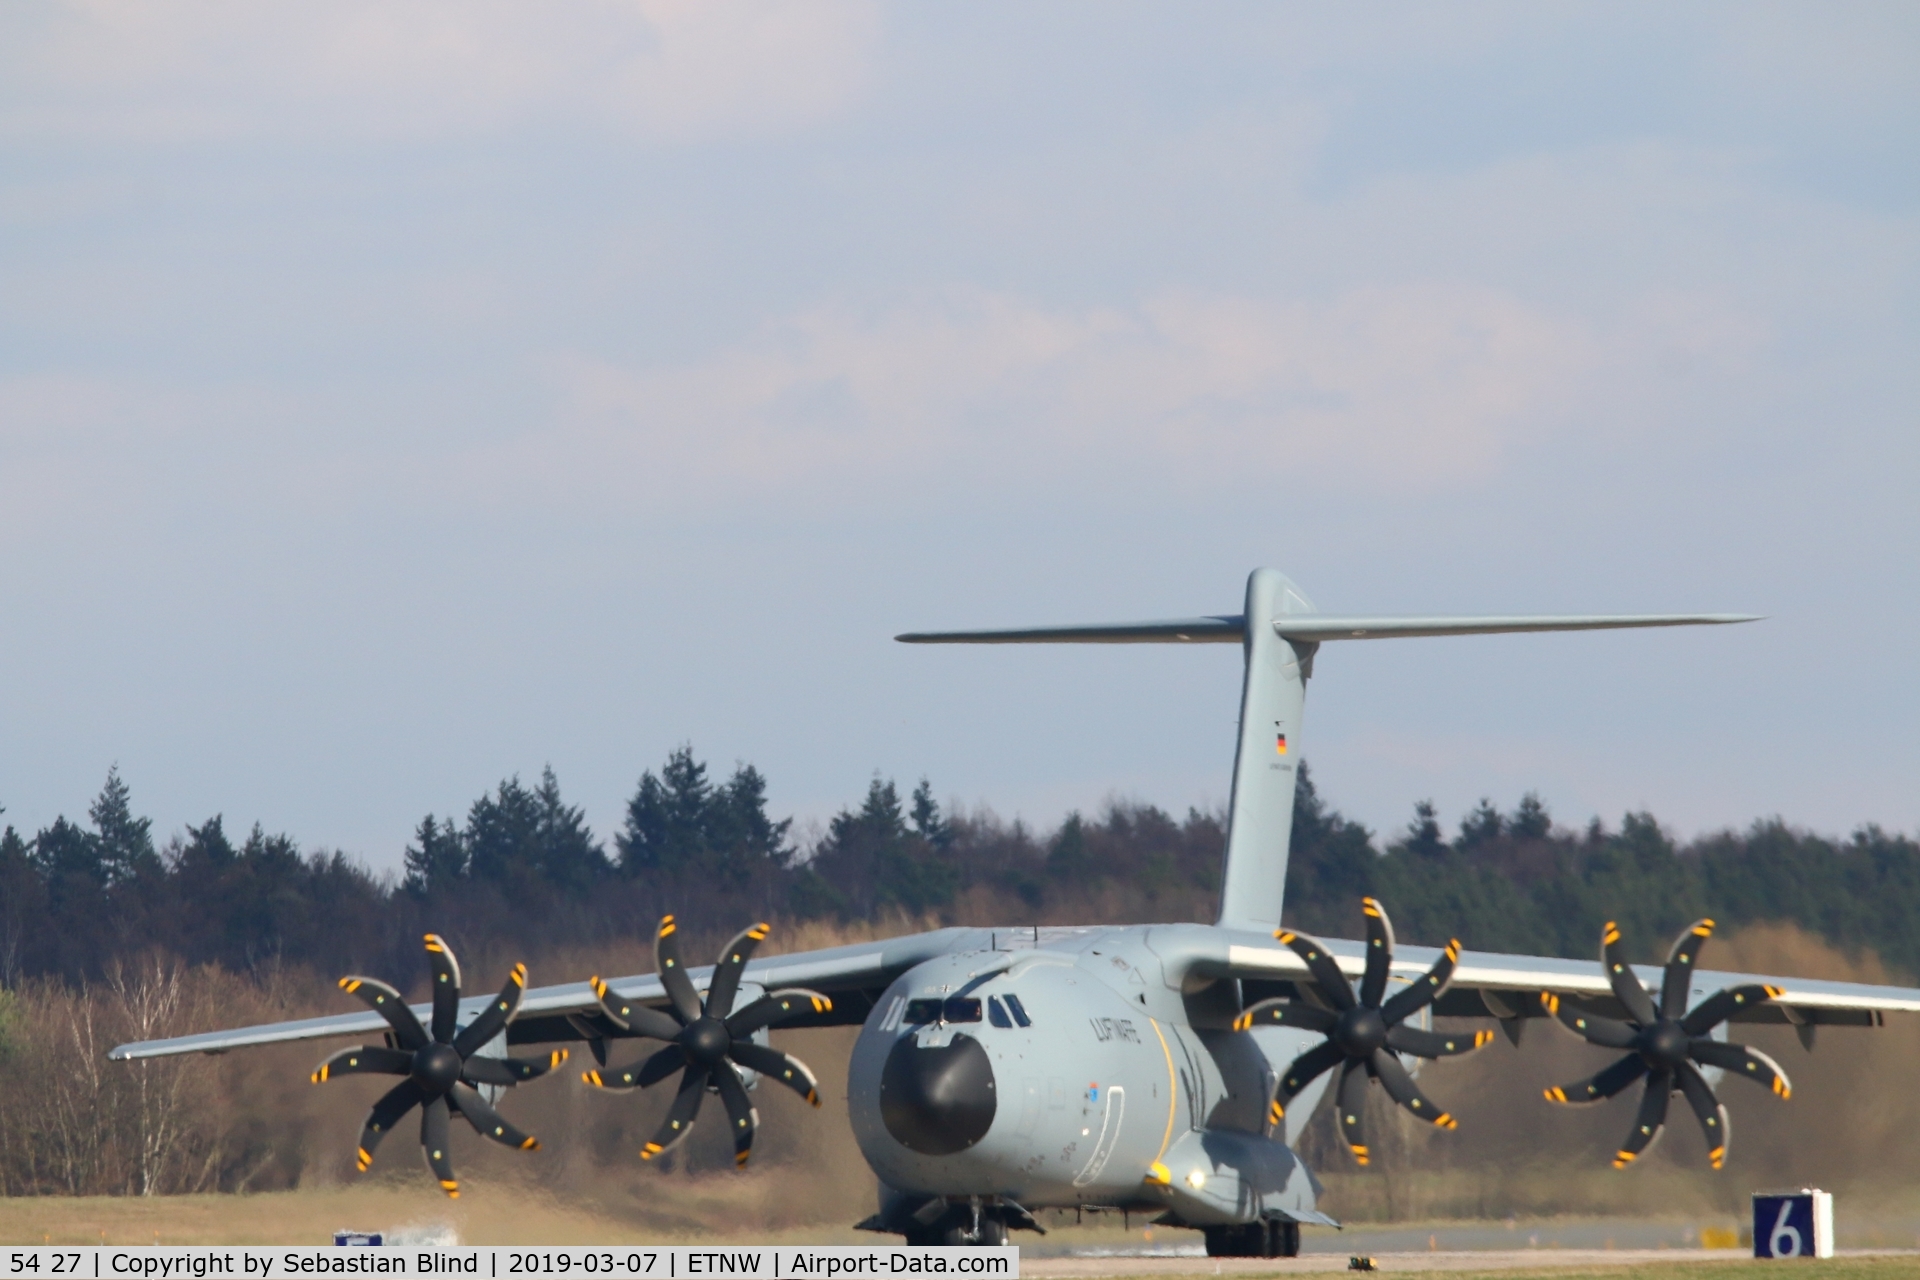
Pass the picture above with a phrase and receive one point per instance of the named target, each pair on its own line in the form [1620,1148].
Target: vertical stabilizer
[1260,824]
[1280,631]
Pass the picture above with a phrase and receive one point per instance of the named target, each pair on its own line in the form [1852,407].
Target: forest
[108,933]
[522,869]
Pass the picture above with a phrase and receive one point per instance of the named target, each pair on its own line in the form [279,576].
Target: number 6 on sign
[1796,1224]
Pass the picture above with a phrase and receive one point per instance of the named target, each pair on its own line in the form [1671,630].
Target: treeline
[523,870]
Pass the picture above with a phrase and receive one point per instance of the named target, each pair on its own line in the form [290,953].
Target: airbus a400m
[1161,1068]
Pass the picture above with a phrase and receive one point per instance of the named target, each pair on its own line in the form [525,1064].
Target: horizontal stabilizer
[1314,627]
[1225,629]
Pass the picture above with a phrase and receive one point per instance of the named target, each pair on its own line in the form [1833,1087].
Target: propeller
[1363,1034]
[707,1041]
[440,1068]
[1666,1046]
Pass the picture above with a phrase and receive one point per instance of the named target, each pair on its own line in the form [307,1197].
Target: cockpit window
[997,1012]
[1019,1010]
[962,1009]
[952,1009]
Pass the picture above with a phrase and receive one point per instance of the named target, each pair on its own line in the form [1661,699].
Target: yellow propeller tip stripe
[531,1144]
[1285,937]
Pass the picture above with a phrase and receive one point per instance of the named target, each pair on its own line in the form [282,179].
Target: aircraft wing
[854,976]
[1492,984]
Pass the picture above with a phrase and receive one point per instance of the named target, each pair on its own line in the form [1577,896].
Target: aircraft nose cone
[940,1100]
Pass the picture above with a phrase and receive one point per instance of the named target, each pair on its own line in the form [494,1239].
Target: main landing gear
[1272,1238]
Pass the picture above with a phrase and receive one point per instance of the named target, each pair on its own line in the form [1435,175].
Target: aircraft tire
[1242,1240]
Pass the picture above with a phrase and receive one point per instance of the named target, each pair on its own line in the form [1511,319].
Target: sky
[398,397]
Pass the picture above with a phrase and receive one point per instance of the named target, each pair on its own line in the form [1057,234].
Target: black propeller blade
[706,1040]
[1667,1045]
[1363,1034]
[440,1068]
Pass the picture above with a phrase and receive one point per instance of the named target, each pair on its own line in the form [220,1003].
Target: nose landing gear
[964,1226]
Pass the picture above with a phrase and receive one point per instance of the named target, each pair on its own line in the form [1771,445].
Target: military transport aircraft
[1160,1068]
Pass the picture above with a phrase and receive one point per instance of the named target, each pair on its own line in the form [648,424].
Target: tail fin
[1279,645]
[1273,694]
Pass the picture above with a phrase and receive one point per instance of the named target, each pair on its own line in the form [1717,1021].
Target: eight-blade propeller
[1363,1034]
[440,1068]
[1664,1044]
[706,1040]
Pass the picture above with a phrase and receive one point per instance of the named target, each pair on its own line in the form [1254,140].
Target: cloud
[664,70]
[1408,388]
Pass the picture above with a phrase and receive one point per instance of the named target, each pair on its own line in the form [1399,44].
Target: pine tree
[927,821]
[1530,821]
[437,860]
[740,831]
[1423,833]
[1480,828]
[503,836]
[23,908]
[569,857]
[668,819]
[1067,860]
[125,842]
[68,854]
